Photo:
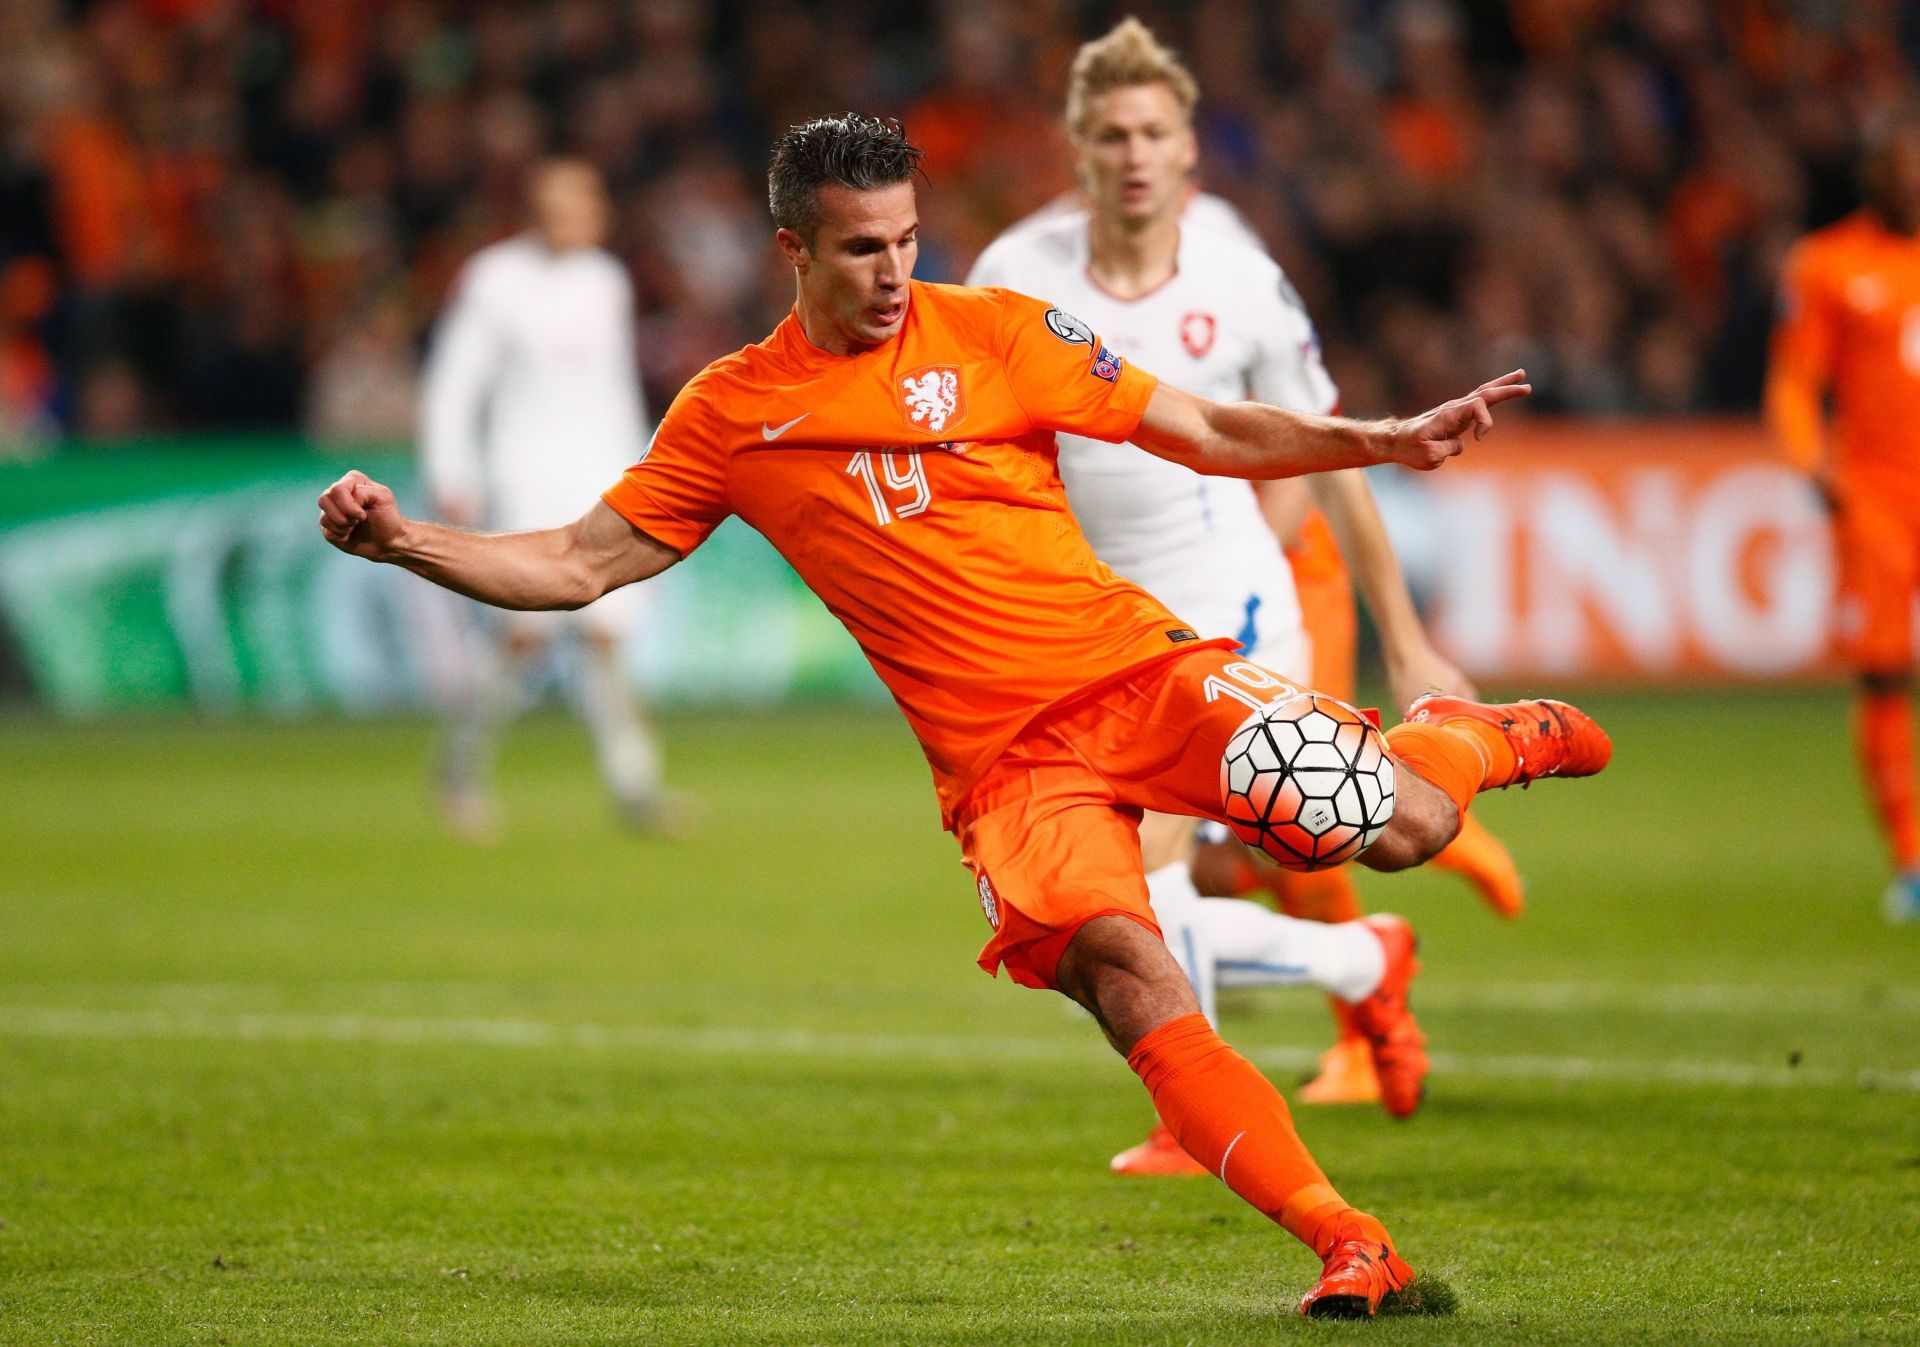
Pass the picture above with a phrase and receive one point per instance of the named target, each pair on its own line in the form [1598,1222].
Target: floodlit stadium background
[227,228]
[282,1060]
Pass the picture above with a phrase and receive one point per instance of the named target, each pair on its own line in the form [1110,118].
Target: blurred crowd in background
[245,214]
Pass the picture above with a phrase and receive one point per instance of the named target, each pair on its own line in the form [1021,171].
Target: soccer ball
[1308,781]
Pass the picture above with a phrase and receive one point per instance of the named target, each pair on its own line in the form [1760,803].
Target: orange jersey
[914,488]
[1851,324]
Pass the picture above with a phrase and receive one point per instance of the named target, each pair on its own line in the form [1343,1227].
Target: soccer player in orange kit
[894,440]
[1177,280]
[1328,612]
[1850,325]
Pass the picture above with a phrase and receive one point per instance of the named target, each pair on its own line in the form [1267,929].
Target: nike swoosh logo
[775,432]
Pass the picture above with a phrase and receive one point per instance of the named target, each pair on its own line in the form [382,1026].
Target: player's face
[570,207]
[854,276]
[1136,152]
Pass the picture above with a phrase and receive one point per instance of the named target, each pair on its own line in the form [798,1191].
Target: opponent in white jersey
[532,403]
[1201,304]
[1225,325]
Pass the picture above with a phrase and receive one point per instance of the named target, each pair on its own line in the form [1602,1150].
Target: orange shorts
[1878,542]
[1051,829]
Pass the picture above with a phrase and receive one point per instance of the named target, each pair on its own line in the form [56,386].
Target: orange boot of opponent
[1346,1069]
[1160,1156]
[1483,860]
[1346,1073]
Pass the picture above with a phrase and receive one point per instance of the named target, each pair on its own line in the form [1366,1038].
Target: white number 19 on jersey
[909,481]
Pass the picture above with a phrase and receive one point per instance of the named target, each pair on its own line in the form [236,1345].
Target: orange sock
[1230,1118]
[1318,895]
[1883,729]
[1459,756]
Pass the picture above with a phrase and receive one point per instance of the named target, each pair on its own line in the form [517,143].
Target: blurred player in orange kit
[1177,281]
[894,440]
[1850,326]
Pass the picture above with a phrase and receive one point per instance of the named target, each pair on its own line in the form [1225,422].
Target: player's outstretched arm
[1250,439]
[1414,667]
[550,568]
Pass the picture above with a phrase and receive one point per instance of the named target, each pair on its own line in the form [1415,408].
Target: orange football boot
[1399,1048]
[1159,1155]
[1548,738]
[1483,860]
[1346,1069]
[1357,1276]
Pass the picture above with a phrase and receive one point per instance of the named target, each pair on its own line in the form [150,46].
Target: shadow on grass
[1429,1295]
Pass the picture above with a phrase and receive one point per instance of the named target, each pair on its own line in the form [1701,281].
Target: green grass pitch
[282,1064]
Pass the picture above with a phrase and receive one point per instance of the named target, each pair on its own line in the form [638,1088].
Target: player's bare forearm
[1348,504]
[1285,505]
[534,570]
[1249,439]
[1414,667]
[548,568]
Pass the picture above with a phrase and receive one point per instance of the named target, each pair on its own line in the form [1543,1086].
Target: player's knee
[1124,975]
[1424,821]
[1885,682]
[1219,867]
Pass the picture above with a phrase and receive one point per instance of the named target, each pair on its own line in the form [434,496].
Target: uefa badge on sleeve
[1106,365]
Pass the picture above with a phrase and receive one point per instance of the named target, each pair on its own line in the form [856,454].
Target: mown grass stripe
[67,1022]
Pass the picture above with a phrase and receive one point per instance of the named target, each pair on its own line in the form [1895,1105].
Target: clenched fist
[358,516]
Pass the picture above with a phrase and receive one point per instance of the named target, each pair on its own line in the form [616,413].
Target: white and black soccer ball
[1307,780]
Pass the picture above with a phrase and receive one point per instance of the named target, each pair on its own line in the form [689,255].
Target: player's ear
[794,247]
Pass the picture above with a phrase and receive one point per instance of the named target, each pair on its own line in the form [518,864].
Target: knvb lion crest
[932,398]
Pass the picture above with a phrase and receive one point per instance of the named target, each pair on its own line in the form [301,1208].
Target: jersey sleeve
[1800,363]
[677,492]
[1064,377]
[1287,370]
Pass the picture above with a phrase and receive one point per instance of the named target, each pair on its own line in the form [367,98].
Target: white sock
[1177,907]
[628,756]
[1254,946]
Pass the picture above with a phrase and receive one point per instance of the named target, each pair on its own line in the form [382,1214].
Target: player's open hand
[1428,440]
[1414,673]
[358,515]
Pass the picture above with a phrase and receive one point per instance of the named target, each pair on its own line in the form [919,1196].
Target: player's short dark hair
[863,153]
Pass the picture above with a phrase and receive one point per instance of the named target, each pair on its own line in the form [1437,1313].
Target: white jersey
[532,404]
[1226,326]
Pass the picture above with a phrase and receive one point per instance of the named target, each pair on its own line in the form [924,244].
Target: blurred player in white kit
[1177,283]
[531,404]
